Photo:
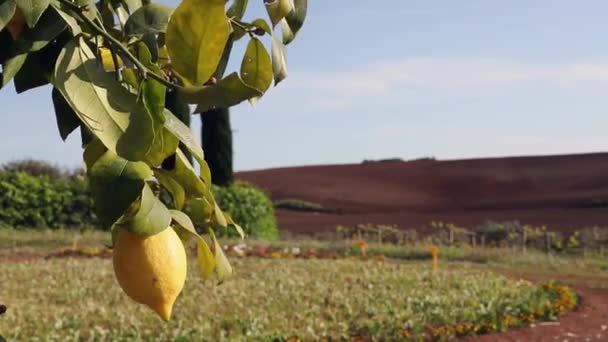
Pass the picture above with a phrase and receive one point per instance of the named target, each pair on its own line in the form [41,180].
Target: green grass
[43,241]
[72,299]
[64,299]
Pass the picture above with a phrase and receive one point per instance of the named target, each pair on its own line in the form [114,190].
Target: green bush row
[39,201]
[42,200]
[249,207]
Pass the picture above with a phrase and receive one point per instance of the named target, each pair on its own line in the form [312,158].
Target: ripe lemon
[151,270]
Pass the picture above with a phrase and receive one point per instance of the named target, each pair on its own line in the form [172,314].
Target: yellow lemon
[151,270]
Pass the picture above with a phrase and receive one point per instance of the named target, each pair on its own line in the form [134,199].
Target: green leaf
[50,25]
[196,35]
[152,95]
[31,74]
[184,134]
[218,217]
[261,23]
[237,9]
[199,210]
[115,183]
[183,221]
[228,92]
[165,144]
[132,5]
[175,188]
[32,10]
[206,259]
[106,108]
[278,9]
[7,9]
[186,176]
[237,227]
[11,67]
[222,266]
[67,120]
[294,20]
[150,18]
[279,61]
[94,149]
[70,21]
[256,67]
[151,217]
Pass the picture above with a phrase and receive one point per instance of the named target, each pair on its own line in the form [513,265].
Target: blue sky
[450,79]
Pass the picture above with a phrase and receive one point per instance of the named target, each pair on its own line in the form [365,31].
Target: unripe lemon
[151,269]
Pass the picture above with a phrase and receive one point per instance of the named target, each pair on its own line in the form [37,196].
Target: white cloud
[441,77]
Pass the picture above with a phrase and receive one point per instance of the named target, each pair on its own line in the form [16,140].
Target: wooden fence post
[524,239]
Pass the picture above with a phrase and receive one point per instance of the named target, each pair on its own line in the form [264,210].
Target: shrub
[250,207]
[44,202]
[36,168]
[299,205]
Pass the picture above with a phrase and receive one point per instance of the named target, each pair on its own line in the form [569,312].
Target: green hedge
[41,202]
[250,207]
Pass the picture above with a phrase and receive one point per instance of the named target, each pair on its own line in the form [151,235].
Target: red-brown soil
[563,192]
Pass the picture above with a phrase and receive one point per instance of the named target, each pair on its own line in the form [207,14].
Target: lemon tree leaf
[115,183]
[183,221]
[237,227]
[279,61]
[237,9]
[7,9]
[151,216]
[199,210]
[206,259]
[32,10]
[218,216]
[11,67]
[196,35]
[294,20]
[183,226]
[94,149]
[184,134]
[150,18]
[222,265]
[70,21]
[50,25]
[261,23]
[67,120]
[228,92]
[106,108]
[278,9]
[256,67]
[185,175]
[175,188]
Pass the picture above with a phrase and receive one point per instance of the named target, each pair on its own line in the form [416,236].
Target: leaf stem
[118,45]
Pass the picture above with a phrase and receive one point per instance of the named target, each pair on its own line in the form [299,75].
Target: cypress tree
[180,108]
[216,137]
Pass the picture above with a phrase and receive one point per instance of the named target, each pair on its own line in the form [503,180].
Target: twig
[118,45]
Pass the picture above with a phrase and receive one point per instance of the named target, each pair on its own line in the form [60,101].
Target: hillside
[563,192]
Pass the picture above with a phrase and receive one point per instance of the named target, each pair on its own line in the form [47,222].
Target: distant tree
[216,137]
